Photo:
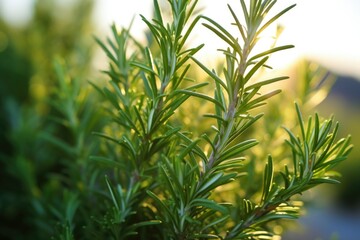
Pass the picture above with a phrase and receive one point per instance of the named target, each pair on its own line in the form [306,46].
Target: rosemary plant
[166,183]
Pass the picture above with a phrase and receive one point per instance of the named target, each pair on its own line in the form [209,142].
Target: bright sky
[326,31]
[323,30]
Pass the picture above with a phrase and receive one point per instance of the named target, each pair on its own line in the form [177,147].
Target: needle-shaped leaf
[268,179]
[223,34]
[212,74]
[238,24]
[264,83]
[268,52]
[237,149]
[273,19]
[202,96]
[255,68]
[207,203]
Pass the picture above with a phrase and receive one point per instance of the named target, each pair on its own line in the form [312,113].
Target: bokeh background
[35,32]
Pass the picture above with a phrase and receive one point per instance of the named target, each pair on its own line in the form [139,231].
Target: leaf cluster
[166,170]
[148,176]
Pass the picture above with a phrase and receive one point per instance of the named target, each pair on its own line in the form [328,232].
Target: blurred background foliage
[47,116]
[48,111]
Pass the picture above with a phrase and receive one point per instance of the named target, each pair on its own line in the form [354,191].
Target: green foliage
[183,190]
[142,174]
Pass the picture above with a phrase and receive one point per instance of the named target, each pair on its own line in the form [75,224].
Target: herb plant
[161,151]
[170,182]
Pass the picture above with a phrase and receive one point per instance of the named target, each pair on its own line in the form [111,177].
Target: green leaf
[106,50]
[276,216]
[215,222]
[266,82]
[106,161]
[317,181]
[229,164]
[112,194]
[260,100]
[238,24]
[171,178]
[160,203]
[189,30]
[237,149]
[223,34]
[207,203]
[246,125]
[255,68]
[268,179]
[213,181]
[198,151]
[205,236]
[189,149]
[158,15]
[245,12]
[211,74]
[145,223]
[273,19]
[220,118]
[268,52]
[190,54]
[202,96]
[143,67]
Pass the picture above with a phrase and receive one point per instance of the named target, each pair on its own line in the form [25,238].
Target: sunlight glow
[321,30]
[325,31]
[17,12]
[107,12]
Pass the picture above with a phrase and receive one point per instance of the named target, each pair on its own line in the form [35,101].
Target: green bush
[161,151]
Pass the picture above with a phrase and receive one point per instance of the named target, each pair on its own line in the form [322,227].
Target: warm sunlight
[123,16]
[322,30]
[179,119]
